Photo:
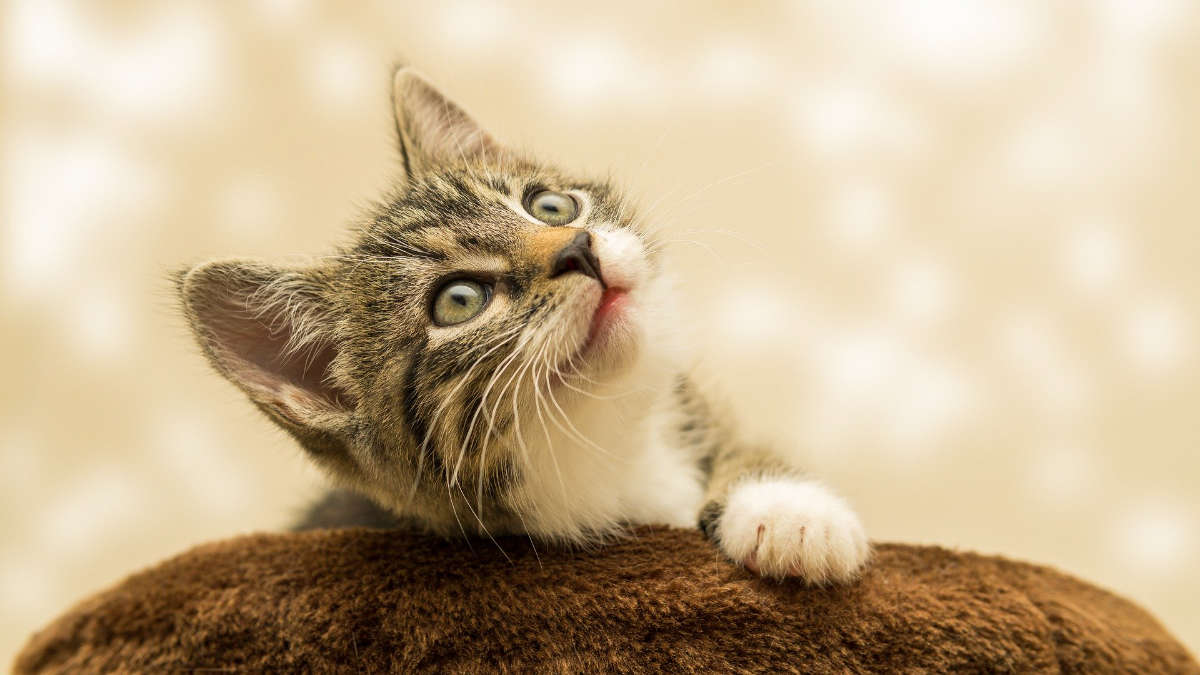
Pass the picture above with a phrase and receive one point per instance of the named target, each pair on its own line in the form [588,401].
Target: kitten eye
[552,208]
[460,300]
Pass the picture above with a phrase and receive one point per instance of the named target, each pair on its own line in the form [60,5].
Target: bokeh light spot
[1093,258]
[1156,336]
[340,74]
[1154,537]
[859,214]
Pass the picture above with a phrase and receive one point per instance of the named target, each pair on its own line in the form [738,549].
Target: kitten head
[489,291]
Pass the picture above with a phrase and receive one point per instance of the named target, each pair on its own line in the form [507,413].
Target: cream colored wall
[945,252]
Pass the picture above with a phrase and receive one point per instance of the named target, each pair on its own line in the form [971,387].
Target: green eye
[459,301]
[552,208]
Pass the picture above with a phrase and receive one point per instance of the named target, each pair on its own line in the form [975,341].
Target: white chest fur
[620,466]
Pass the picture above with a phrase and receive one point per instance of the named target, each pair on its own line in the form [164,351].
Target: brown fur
[661,601]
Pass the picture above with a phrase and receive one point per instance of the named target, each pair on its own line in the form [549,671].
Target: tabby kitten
[494,355]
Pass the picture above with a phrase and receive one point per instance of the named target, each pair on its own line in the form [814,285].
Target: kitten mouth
[608,326]
[612,301]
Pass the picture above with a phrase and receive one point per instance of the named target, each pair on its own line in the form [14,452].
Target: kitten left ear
[432,129]
[269,331]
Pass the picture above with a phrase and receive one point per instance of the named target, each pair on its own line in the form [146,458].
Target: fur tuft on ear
[269,331]
[432,129]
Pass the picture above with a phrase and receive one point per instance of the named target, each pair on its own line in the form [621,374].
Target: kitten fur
[542,415]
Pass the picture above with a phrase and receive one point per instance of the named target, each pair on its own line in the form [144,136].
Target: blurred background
[945,252]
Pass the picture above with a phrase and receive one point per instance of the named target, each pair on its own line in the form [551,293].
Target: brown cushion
[662,599]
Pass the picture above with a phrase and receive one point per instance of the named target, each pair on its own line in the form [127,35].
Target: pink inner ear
[259,350]
[439,128]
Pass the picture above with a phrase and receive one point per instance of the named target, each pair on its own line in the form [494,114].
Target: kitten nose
[577,256]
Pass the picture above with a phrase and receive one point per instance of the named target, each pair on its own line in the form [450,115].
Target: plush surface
[661,600]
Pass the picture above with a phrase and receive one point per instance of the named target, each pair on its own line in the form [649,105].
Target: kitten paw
[782,527]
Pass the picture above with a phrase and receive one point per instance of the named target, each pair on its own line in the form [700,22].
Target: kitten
[494,355]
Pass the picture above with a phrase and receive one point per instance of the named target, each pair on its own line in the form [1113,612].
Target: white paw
[780,527]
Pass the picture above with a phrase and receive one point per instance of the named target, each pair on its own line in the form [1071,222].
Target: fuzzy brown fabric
[663,600]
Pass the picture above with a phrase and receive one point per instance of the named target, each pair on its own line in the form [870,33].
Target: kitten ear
[432,129]
[269,331]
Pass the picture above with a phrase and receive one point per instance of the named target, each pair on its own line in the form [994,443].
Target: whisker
[574,431]
[546,431]
[482,404]
[482,407]
[454,510]
[658,246]
[500,341]
[482,526]
[491,415]
[723,180]
[525,528]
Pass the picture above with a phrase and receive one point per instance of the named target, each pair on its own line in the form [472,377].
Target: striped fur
[517,421]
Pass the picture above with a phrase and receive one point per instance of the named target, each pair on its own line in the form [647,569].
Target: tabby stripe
[414,413]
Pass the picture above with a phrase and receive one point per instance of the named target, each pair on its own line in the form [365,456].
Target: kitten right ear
[432,129]
[269,331]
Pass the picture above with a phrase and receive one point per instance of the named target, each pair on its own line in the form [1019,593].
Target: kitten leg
[763,515]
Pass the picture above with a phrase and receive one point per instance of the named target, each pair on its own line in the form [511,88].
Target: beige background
[944,251]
